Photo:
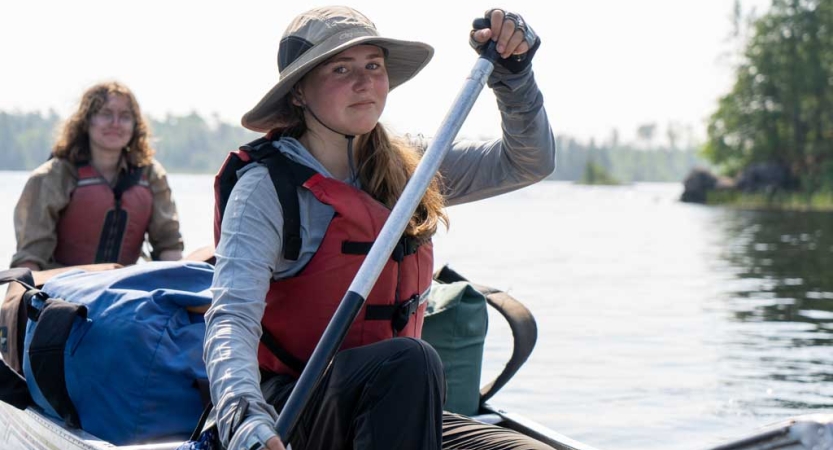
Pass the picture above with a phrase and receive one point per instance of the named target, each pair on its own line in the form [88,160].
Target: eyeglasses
[106,117]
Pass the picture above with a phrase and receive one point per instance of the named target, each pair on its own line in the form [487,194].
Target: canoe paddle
[353,300]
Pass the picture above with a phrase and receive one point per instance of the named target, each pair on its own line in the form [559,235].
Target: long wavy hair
[73,141]
[385,164]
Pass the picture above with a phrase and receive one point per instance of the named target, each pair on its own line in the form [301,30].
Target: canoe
[32,429]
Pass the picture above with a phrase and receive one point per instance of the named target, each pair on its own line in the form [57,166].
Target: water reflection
[781,303]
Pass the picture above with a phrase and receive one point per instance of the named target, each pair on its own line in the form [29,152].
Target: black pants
[387,395]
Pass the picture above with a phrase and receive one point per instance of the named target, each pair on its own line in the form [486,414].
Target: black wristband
[519,63]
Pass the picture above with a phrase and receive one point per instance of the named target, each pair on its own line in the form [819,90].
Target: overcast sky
[603,64]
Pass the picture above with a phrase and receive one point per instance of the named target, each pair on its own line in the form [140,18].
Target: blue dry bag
[116,352]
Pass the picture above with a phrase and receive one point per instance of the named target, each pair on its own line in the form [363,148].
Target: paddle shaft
[383,246]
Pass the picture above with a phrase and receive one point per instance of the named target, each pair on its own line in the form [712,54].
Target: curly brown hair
[73,141]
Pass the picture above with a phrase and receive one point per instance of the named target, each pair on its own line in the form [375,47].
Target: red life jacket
[104,224]
[299,308]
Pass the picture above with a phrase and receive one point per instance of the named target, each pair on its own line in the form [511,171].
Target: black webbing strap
[398,314]
[109,244]
[355,248]
[226,180]
[287,176]
[287,192]
[405,247]
[204,388]
[127,180]
[284,356]
[256,146]
[21,275]
[227,177]
[206,413]
[13,389]
[46,355]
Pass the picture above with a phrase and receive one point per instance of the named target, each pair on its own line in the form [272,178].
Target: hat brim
[404,60]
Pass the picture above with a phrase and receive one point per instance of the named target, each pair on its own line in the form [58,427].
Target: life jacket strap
[256,145]
[287,176]
[131,178]
[405,247]
[286,186]
[399,314]
[281,353]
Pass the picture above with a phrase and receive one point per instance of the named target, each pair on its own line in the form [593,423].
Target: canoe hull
[31,430]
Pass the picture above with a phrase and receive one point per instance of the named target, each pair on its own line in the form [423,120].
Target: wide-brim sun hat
[315,36]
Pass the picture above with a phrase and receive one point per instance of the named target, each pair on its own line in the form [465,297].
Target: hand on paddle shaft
[515,39]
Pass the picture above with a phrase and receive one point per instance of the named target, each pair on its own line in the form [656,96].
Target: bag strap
[13,331]
[46,354]
[20,275]
[13,389]
[521,322]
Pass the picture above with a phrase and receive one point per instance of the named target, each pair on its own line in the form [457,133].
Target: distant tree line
[188,143]
[191,143]
[623,162]
[26,139]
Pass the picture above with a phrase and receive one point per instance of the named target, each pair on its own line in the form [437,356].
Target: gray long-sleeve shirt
[250,254]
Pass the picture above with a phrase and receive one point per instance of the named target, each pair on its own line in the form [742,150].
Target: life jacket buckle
[405,247]
[404,311]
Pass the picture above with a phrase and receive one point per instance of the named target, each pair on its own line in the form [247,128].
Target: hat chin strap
[350,137]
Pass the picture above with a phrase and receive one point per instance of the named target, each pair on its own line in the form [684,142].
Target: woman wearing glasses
[100,192]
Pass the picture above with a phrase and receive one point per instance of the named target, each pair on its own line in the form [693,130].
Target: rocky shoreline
[766,177]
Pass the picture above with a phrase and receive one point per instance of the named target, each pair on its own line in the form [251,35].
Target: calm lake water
[662,325]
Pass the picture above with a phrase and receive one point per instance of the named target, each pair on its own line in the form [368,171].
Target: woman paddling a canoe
[297,212]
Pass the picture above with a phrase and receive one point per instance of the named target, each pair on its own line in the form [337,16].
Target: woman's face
[112,126]
[348,91]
